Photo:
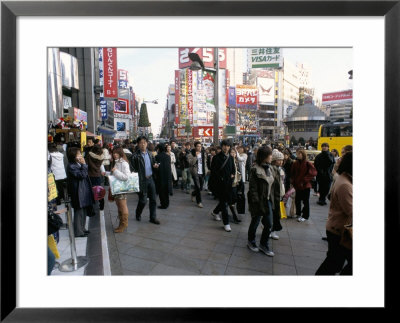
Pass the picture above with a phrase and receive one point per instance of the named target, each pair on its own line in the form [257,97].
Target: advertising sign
[204,131]
[208,85]
[205,54]
[246,96]
[232,96]
[266,88]
[121,106]
[122,79]
[232,116]
[190,94]
[103,108]
[51,185]
[80,115]
[177,93]
[270,57]
[337,97]
[122,84]
[110,73]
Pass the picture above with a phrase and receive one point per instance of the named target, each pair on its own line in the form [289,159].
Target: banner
[246,96]
[103,102]
[190,95]
[337,97]
[269,57]
[177,93]
[110,73]
[232,96]
[208,84]
[205,54]
[266,88]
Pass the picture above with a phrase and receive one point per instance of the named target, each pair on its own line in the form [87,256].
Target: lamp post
[197,65]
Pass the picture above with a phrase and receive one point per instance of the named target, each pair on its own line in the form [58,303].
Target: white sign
[266,90]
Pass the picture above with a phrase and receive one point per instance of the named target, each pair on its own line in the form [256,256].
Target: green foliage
[143,117]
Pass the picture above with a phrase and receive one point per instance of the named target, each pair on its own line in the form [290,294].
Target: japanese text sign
[205,54]
[246,96]
[110,73]
[265,57]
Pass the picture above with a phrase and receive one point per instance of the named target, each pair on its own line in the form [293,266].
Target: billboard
[266,90]
[189,96]
[80,115]
[121,106]
[337,97]
[205,54]
[177,86]
[246,96]
[267,57]
[110,73]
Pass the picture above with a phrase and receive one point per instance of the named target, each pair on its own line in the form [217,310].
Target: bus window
[346,131]
[330,131]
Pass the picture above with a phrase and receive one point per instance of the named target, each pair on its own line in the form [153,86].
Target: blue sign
[122,84]
[103,108]
[232,96]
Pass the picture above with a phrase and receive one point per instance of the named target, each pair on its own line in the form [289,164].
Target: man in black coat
[222,174]
[176,151]
[164,176]
[145,165]
[324,163]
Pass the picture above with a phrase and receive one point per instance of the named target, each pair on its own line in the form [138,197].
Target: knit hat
[277,155]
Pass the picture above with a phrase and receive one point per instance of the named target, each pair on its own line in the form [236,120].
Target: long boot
[123,224]
[236,220]
[120,222]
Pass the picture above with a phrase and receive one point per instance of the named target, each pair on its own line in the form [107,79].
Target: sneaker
[274,236]
[200,205]
[216,216]
[252,246]
[301,219]
[227,228]
[266,250]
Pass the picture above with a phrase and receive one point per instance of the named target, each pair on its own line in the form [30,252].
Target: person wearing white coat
[121,171]
[58,169]
[242,158]
[173,161]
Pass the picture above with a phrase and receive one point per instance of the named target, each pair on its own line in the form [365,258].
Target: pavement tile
[261,263]
[156,244]
[306,271]
[183,262]
[203,254]
[146,253]
[212,268]
[221,258]
[300,251]
[166,237]
[281,249]
[308,262]
[240,271]
[281,269]
[195,243]
[319,245]
[138,265]
[203,236]
[243,252]
[130,273]
[161,269]
[223,248]
[283,259]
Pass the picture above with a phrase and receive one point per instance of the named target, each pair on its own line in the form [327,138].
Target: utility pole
[216,114]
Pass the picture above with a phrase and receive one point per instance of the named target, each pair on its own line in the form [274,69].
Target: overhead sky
[151,70]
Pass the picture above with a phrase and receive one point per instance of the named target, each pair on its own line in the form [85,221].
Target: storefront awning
[106,131]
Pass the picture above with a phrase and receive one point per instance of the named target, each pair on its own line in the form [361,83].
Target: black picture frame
[10,10]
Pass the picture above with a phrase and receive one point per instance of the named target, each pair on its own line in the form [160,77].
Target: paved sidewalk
[189,242]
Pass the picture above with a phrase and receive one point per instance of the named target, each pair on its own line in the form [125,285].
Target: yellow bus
[337,134]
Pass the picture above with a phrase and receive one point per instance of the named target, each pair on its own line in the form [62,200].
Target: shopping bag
[53,246]
[291,206]
[283,210]
[131,185]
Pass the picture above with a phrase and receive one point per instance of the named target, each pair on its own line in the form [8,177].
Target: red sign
[246,95]
[177,86]
[123,75]
[205,54]
[110,73]
[132,103]
[337,96]
[189,76]
[204,131]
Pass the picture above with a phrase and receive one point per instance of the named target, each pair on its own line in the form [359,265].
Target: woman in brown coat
[340,214]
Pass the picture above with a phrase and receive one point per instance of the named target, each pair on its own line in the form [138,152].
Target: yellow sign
[52,187]
[83,140]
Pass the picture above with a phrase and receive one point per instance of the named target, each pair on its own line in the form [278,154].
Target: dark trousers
[336,257]
[60,189]
[223,207]
[303,196]
[51,261]
[151,194]
[198,187]
[163,194]
[266,220]
[324,185]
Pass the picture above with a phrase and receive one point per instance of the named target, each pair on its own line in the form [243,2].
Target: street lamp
[198,64]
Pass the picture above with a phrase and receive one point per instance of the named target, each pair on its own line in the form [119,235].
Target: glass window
[346,131]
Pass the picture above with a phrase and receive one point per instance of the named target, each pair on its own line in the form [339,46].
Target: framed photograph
[371,28]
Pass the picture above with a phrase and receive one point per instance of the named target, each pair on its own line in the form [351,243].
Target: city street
[190,242]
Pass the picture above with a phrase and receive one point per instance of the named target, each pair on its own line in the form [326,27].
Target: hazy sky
[151,70]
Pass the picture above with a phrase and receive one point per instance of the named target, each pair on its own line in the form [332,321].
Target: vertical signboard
[266,88]
[110,73]
[122,79]
[103,102]
[205,54]
[190,95]
[177,92]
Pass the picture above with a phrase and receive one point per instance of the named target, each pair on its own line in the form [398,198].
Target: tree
[143,117]
[301,141]
[293,140]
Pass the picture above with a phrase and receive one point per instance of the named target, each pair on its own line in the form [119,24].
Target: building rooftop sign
[337,97]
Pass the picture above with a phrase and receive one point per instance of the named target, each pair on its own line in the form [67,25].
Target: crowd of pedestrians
[273,176]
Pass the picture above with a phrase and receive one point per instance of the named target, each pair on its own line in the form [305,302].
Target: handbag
[98,192]
[131,185]
[54,222]
[283,210]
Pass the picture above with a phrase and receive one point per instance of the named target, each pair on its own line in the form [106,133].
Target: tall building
[235,65]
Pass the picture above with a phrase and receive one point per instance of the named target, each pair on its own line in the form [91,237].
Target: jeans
[266,220]
[51,261]
[222,207]
[198,187]
[336,257]
[303,196]
[186,179]
[151,194]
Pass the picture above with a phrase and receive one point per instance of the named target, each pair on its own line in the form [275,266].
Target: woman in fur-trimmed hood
[96,170]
